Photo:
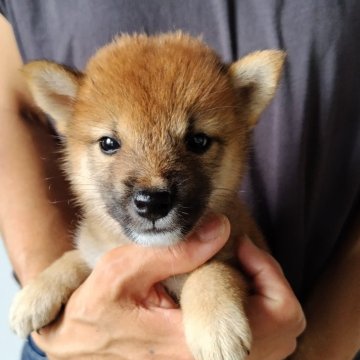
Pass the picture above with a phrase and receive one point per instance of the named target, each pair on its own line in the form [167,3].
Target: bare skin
[149,323]
[94,333]
[29,221]
[275,315]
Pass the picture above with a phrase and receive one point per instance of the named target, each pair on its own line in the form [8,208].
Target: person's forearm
[35,231]
[333,310]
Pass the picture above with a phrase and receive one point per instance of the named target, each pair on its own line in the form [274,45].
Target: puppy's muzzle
[153,204]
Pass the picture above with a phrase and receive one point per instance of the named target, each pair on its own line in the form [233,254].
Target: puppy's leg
[212,301]
[39,302]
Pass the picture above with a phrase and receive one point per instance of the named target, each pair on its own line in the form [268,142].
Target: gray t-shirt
[304,178]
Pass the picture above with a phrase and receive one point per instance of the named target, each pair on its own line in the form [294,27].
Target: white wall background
[10,345]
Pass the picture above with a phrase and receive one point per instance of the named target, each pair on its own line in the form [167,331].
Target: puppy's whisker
[54,202]
[223,189]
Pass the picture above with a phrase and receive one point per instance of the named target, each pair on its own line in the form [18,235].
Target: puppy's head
[155,129]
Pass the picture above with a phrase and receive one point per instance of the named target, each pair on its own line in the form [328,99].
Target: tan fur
[43,298]
[151,92]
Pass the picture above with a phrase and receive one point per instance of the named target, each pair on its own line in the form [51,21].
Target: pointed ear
[54,88]
[256,77]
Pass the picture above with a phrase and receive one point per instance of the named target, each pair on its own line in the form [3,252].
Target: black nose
[152,204]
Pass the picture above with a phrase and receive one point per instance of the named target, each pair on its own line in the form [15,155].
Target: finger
[265,272]
[142,267]
[273,306]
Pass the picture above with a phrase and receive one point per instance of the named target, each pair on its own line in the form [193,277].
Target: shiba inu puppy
[156,132]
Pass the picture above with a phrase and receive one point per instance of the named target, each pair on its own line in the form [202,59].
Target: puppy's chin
[157,239]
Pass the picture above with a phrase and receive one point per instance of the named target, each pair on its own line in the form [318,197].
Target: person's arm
[35,230]
[120,311]
[333,310]
[275,314]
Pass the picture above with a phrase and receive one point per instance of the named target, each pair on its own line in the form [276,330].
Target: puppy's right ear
[256,77]
[54,88]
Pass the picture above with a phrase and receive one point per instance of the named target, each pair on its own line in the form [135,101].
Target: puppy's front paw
[212,301]
[224,335]
[35,306]
[38,303]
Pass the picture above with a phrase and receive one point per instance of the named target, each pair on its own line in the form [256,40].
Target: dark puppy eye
[198,143]
[108,145]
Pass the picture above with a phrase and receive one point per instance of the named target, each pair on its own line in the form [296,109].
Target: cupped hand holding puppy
[275,315]
[118,313]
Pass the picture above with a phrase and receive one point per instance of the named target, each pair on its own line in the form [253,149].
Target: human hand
[275,315]
[121,311]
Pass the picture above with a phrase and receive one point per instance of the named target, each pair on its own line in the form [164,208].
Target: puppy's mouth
[165,231]
[159,216]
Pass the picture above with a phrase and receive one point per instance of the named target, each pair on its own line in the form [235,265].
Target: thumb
[138,268]
[207,239]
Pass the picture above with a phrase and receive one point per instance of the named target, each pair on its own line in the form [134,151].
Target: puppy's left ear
[54,88]
[256,77]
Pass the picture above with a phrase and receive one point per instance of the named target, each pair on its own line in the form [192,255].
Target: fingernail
[212,227]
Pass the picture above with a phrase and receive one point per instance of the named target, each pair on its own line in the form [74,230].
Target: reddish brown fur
[157,83]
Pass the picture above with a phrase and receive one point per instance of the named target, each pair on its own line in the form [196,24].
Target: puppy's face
[156,130]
